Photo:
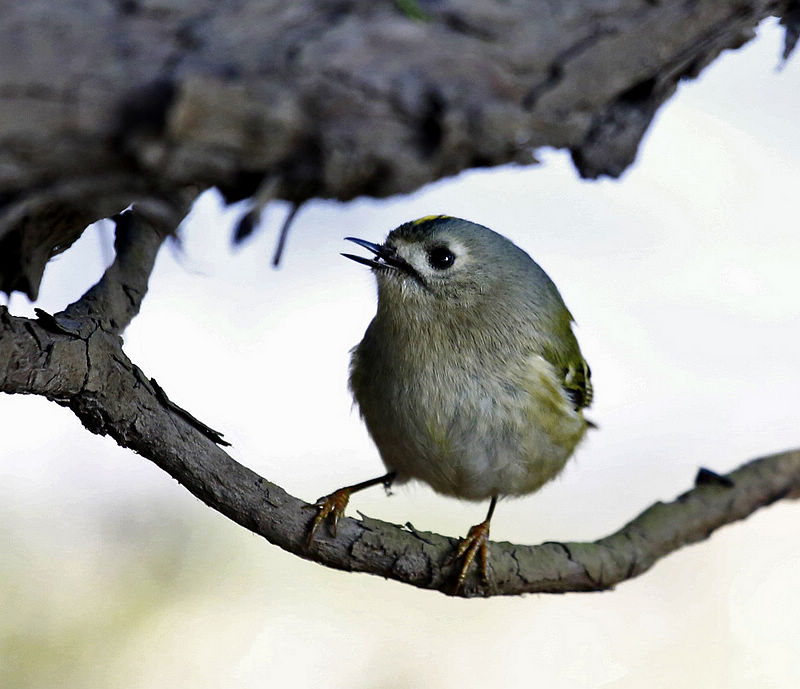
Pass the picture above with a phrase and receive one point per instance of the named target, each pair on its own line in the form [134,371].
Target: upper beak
[386,255]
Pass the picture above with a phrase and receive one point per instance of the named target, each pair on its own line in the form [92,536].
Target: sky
[683,279]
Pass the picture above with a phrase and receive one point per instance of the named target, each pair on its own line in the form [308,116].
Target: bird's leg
[477,541]
[332,506]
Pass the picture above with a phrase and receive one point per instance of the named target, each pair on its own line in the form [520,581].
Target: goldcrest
[469,377]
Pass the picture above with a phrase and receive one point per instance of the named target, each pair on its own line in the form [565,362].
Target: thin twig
[276,258]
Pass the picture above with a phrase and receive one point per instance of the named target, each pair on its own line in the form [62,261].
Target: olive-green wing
[578,383]
[565,355]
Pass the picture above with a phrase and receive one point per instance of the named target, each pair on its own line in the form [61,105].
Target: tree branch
[78,363]
[117,297]
[319,99]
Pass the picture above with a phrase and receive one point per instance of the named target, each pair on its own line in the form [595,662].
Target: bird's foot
[476,543]
[329,507]
[332,506]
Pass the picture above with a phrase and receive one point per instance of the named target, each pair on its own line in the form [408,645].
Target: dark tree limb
[79,363]
[116,299]
[319,99]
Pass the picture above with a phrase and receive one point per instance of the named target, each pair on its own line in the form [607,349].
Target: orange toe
[330,507]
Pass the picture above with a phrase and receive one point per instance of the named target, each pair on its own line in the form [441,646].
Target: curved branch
[85,369]
[75,359]
[115,300]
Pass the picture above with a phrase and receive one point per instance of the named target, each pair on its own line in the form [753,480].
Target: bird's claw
[476,542]
[329,507]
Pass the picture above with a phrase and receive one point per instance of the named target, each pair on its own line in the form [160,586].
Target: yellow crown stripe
[427,218]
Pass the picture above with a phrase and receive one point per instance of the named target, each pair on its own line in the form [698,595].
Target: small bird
[469,378]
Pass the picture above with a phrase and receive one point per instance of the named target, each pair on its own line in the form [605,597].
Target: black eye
[441,257]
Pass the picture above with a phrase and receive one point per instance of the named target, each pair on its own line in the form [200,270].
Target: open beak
[385,256]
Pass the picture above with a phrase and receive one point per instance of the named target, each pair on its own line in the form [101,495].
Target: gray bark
[103,104]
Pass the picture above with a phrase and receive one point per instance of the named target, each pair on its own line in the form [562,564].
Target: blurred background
[684,278]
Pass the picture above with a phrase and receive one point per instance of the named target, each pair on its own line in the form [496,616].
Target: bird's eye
[441,257]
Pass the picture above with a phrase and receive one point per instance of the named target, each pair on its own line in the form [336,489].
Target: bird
[469,378]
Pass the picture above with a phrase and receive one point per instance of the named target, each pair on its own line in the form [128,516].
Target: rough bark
[75,358]
[103,104]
